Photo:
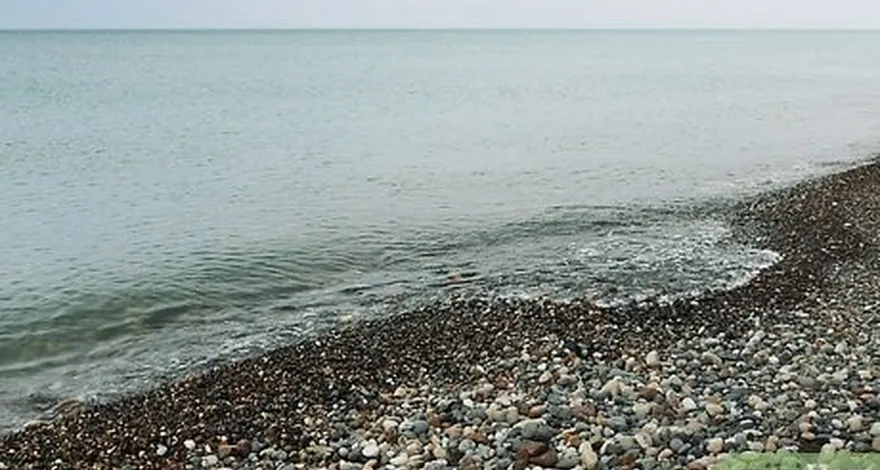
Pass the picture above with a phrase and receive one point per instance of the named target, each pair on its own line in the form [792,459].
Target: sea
[172,199]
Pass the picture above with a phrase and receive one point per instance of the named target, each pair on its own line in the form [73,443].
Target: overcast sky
[438,13]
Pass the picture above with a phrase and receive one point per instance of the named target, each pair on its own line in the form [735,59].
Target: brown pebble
[453,431]
[584,412]
[626,461]
[475,435]
[470,462]
[547,459]
[530,449]
[536,411]
[649,392]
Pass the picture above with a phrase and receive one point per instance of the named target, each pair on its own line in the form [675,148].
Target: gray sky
[438,13]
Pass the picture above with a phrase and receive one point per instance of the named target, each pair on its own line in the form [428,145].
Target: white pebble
[589,459]
[161,450]
[652,359]
[189,444]
[875,430]
[688,404]
[370,450]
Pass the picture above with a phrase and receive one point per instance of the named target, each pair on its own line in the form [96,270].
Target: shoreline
[461,383]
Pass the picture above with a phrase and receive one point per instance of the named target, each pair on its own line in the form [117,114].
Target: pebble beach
[787,362]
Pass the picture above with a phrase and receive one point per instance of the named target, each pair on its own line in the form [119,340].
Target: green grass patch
[797,461]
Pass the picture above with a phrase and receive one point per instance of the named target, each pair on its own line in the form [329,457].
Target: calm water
[174,198]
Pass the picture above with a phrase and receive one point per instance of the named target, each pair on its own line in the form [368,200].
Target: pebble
[855,423]
[652,359]
[714,409]
[370,450]
[715,445]
[688,404]
[588,457]
[161,450]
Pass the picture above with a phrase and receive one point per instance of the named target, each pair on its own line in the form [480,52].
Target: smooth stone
[714,409]
[210,461]
[642,409]
[588,457]
[439,464]
[568,458]
[189,444]
[688,404]
[161,450]
[652,359]
[709,357]
[665,454]
[561,412]
[855,423]
[419,427]
[535,429]
[875,429]
[875,444]
[618,423]
[715,445]
[399,461]
[545,378]
[676,444]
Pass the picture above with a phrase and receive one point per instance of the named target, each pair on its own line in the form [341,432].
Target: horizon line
[451,29]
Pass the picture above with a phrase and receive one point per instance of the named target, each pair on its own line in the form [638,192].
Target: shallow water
[174,198]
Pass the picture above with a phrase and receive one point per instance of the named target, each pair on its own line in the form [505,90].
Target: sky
[113,14]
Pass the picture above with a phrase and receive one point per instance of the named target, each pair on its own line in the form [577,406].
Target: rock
[419,427]
[618,423]
[757,403]
[568,458]
[612,387]
[688,404]
[875,444]
[709,357]
[643,439]
[652,359]
[470,462]
[665,454]
[370,449]
[439,464]
[545,378]
[642,409]
[535,429]
[649,392]
[189,444]
[399,461]
[714,409]
[810,404]
[161,450]
[242,448]
[547,459]
[590,460]
[414,448]
[537,411]
[715,445]
[771,444]
[676,444]
[875,429]
[855,423]
[210,461]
